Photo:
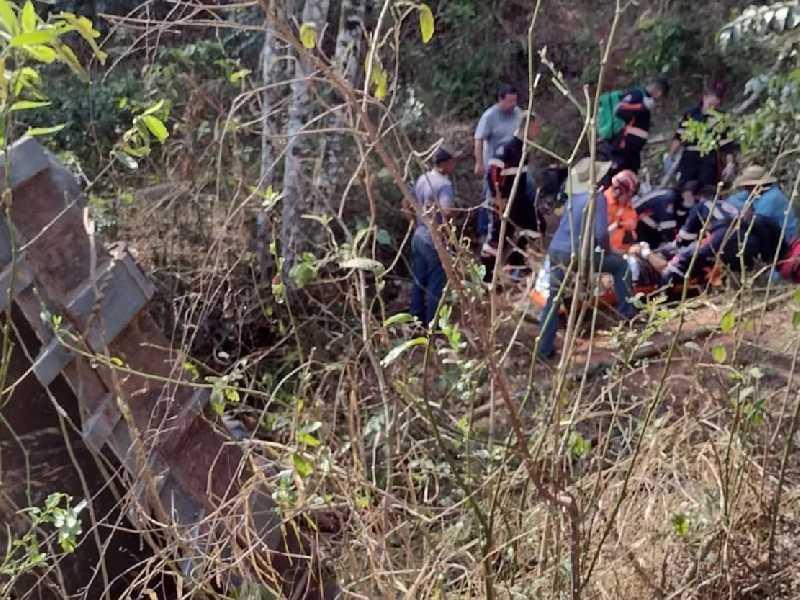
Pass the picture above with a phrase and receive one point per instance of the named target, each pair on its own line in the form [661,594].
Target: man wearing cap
[565,248]
[498,122]
[434,198]
[508,172]
[760,191]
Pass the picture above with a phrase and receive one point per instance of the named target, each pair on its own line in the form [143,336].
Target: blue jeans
[609,262]
[429,280]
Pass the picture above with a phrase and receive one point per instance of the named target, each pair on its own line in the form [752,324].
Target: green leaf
[728,322]
[34,38]
[28,104]
[126,160]
[239,75]
[191,370]
[380,81]
[398,319]
[363,264]
[426,23]
[307,439]
[308,35]
[578,445]
[302,465]
[400,349]
[67,56]
[28,17]
[797,297]
[8,19]
[154,109]
[117,361]
[43,54]
[719,354]
[217,400]
[232,396]
[796,319]
[37,131]
[680,524]
[302,274]
[87,31]
[156,127]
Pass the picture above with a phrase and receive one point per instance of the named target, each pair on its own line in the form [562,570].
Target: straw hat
[578,181]
[754,175]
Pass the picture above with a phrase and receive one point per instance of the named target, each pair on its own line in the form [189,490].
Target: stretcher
[646,282]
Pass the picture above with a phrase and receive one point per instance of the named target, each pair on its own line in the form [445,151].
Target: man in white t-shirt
[499,122]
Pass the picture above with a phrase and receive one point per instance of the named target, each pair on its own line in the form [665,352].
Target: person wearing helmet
[565,249]
[622,217]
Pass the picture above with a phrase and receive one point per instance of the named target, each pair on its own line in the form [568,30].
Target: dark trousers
[611,263]
[429,280]
[694,167]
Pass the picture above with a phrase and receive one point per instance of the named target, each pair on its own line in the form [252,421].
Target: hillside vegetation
[255,157]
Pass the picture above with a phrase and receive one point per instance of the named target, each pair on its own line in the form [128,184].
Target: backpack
[609,125]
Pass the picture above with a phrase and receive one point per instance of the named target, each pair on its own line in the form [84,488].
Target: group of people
[666,236]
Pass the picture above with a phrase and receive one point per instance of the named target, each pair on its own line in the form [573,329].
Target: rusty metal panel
[195,468]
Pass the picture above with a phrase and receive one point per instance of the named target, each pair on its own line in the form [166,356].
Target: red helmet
[626,181]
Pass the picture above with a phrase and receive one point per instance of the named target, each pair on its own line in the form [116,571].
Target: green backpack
[609,125]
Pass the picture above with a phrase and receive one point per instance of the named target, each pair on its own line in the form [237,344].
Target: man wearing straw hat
[760,191]
[565,247]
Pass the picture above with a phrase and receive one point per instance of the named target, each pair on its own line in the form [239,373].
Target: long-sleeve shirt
[707,211]
[657,221]
[634,109]
[622,221]
[772,204]
[567,236]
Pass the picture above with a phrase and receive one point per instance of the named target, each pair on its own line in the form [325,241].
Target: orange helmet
[626,181]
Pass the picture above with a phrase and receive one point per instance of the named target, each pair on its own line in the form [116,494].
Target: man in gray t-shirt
[499,122]
[433,199]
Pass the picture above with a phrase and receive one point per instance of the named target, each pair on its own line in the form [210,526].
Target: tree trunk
[276,68]
[299,235]
[348,59]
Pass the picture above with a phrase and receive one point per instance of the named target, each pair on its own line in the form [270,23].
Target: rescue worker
[497,123]
[565,248]
[635,108]
[622,217]
[657,224]
[734,242]
[508,170]
[709,167]
[689,197]
[709,209]
[760,190]
[434,201]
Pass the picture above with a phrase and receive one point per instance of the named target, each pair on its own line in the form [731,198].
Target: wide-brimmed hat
[754,175]
[578,180]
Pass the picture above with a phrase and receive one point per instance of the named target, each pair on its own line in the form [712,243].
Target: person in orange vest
[622,216]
